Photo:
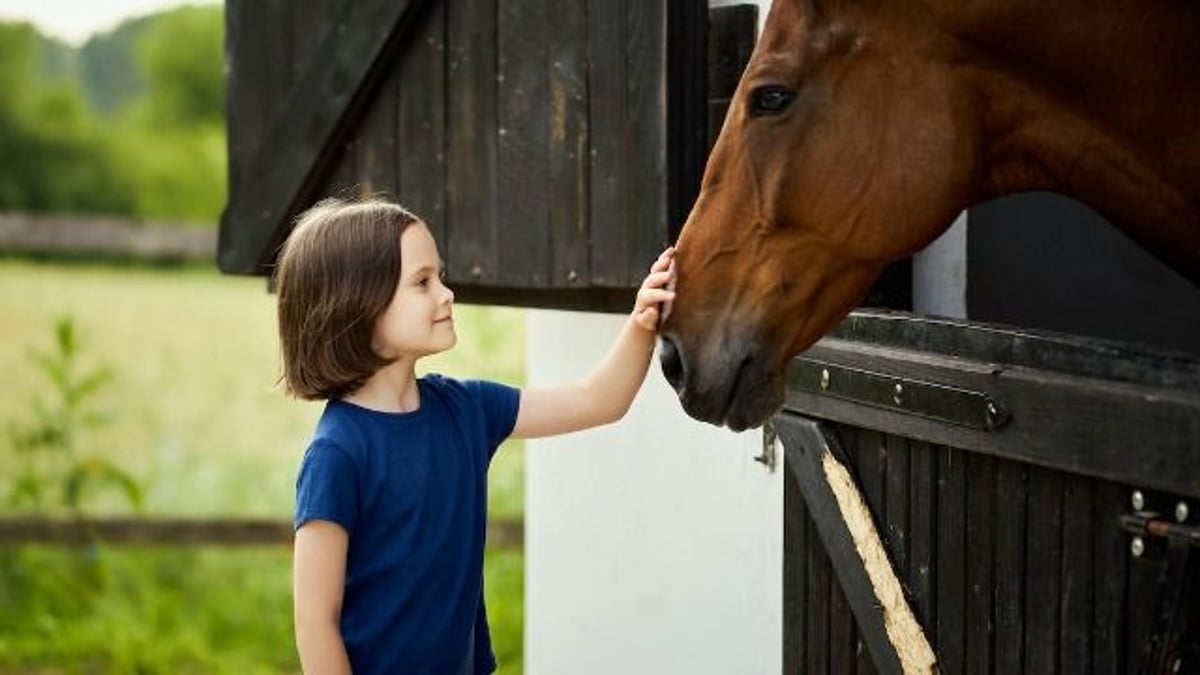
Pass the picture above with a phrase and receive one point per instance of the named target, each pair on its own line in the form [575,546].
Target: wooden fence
[97,237]
[502,533]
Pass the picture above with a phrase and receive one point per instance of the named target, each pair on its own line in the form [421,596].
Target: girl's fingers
[663,261]
[653,296]
[657,279]
[648,318]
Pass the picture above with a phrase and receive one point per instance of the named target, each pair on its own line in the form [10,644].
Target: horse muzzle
[733,386]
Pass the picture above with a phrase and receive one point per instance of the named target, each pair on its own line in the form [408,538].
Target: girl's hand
[655,291]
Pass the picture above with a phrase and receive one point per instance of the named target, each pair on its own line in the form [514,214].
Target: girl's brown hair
[337,272]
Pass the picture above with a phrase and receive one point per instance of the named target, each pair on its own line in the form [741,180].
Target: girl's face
[419,321]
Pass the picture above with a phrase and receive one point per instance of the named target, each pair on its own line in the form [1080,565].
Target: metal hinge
[940,402]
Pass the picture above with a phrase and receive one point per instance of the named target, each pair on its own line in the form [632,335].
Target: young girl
[391,495]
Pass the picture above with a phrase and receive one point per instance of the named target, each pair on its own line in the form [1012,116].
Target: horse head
[856,135]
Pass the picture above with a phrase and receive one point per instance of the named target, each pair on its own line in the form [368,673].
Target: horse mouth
[748,401]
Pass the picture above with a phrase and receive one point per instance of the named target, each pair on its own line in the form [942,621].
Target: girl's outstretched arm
[605,395]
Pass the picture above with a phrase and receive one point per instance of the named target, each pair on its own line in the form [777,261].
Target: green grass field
[197,419]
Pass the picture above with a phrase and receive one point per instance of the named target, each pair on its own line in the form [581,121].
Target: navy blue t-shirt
[411,491]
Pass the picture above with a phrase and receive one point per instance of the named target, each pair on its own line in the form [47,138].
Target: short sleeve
[327,487]
[499,403]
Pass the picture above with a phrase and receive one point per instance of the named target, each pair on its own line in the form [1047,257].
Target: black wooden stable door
[1036,496]
[553,146]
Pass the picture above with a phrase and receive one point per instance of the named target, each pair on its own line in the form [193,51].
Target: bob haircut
[337,273]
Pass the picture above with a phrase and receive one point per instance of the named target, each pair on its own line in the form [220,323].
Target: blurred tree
[132,124]
[181,56]
[54,157]
[108,68]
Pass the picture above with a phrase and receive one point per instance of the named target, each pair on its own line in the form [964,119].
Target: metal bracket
[939,402]
[1174,642]
[770,440]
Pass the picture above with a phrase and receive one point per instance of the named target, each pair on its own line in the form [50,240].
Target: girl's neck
[392,389]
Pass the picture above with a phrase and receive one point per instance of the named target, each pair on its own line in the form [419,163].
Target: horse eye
[770,99]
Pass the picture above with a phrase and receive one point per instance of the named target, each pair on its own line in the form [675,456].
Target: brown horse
[861,129]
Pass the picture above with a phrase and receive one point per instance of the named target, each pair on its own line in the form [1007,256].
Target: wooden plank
[870,467]
[685,136]
[607,80]
[245,93]
[842,636]
[795,575]
[1141,603]
[1075,624]
[922,530]
[570,136]
[806,443]
[898,506]
[471,181]
[523,72]
[420,123]
[645,225]
[1049,411]
[732,33]
[375,141]
[951,558]
[1043,563]
[820,587]
[1009,542]
[980,528]
[1110,556]
[293,154]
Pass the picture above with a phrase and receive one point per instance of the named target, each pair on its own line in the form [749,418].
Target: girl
[391,494]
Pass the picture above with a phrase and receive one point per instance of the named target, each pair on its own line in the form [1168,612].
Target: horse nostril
[672,363]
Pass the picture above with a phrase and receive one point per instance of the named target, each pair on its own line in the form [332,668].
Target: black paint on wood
[288,164]
[524,132]
[471,155]
[569,144]
[805,442]
[1076,579]
[1010,567]
[922,529]
[732,32]
[610,142]
[980,530]
[1086,401]
[421,122]
[1109,549]
[951,558]
[796,606]
[552,147]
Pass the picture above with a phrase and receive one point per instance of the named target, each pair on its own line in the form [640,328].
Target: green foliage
[132,124]
[181,56]
[108,68]
[146,610]
[52,448]
[56,159]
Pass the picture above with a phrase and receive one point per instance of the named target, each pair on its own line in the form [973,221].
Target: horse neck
[1099,101]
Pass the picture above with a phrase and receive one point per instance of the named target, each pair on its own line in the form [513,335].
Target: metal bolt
[1137,547]
[1138,500]
[898,394]
[824,378]
[1181,512]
